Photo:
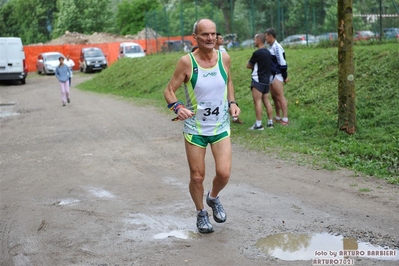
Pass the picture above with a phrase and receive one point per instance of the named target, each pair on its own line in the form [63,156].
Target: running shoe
[203,224]
[255,127]
[219,214]
[68,100]
[283,123]
[270,125]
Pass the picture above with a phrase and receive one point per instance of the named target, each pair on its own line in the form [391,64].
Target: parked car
[177,46]
[130,50]
[12,59]
[328,36]
[92,59]
[230,41]
[391,33]
[250,43]
[299,39]
[363,35]
[46,63]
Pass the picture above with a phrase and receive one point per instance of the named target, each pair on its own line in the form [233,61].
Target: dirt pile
[100,37]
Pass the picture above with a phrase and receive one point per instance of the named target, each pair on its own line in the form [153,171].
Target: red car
[363,35]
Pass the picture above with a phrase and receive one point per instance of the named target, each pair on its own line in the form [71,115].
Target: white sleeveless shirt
[206,96]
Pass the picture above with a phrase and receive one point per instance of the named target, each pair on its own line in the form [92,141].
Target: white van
[12,59]
[130,50]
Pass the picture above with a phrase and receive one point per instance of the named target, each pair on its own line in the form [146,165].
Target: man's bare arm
[180,76]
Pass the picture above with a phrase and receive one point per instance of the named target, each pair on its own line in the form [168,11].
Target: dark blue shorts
[263,88]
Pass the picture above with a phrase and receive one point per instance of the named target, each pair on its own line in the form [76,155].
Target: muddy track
[104,181]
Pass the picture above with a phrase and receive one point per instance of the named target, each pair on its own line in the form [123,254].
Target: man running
[209,99]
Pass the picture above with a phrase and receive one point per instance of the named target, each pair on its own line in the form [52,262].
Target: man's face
[206,34]
[269,38]
[256,42]
[219,40]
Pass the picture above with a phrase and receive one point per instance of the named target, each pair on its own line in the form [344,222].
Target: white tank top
[206,96]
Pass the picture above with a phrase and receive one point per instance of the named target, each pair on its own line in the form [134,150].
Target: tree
[8,22]
[83,16]
[227,7]
[14,16]
[346,85]
[130,17]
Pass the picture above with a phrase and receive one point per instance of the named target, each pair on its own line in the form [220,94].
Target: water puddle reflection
[176,234]
[7,109]
[68,201]
[290,246]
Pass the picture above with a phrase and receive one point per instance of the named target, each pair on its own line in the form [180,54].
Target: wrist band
[175,106]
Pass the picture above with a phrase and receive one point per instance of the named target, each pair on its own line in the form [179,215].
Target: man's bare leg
[196,162]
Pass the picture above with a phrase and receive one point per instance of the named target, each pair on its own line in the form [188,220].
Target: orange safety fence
[111,50]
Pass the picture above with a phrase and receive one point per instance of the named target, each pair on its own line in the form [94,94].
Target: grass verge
[312,137]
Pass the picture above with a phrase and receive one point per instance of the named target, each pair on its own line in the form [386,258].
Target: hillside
[312,95]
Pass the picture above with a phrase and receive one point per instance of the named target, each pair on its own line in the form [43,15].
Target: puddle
[68,201]
[101,193]
[6,109]
[289,246]
[176,234]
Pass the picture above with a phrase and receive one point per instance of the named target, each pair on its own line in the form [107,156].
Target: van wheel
[44,71]
[23,81]
[85,69]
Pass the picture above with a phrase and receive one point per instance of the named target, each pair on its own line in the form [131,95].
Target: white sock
[285,119]
[277,118]
[258,123]
[211,198]
[270,121]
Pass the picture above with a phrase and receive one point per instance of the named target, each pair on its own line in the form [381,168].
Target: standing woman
[63,72]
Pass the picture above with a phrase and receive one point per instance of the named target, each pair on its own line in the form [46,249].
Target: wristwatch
[233,102]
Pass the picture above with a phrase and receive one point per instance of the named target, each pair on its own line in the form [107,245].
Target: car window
[93,53]
[132,49]
[52,57]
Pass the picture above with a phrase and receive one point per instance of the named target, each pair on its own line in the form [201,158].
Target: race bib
[209,111]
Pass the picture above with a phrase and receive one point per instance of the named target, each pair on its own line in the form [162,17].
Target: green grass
[312,138]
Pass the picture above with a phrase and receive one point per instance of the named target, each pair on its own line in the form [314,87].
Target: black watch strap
[233,102]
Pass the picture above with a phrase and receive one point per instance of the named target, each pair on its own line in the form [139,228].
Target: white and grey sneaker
[203,224]
[255,127]
[219,214]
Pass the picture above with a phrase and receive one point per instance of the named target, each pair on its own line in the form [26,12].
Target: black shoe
[255,127]
[63,104]
[69,101]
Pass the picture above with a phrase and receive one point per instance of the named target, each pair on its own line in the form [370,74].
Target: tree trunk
[346,84]
[227,7]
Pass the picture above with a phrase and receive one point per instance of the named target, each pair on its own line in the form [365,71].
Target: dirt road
[104,181]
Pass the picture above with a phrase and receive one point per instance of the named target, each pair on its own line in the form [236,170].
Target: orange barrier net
[111,50]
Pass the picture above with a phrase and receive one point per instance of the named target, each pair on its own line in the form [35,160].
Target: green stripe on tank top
[221,67]
[194,76]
